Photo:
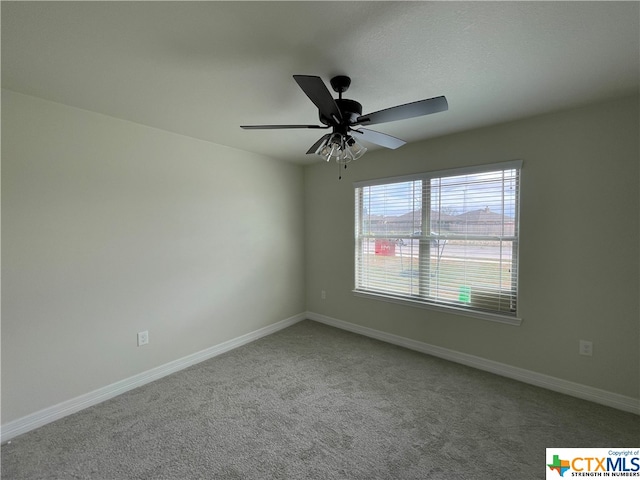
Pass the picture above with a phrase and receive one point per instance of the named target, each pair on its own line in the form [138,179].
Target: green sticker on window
[465,294]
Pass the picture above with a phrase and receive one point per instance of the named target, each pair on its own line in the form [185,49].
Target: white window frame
[421,300]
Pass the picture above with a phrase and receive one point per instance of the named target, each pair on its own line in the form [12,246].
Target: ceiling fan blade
[273,127]
[408,110]
[378,138]
[314,148]
[319,94]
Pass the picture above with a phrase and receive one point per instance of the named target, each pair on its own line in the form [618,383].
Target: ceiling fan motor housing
[350,110]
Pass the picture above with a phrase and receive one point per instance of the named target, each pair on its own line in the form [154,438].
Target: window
[444,239]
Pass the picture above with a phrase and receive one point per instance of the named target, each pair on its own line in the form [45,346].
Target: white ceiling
[203,68]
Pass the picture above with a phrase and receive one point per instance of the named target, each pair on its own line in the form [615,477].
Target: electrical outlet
[143,338]
[586,348]
[323,294]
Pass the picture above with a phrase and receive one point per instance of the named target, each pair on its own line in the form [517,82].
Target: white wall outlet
[586,348]
[323,294]
[143,338]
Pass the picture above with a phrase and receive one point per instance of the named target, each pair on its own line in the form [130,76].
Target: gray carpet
[314,402]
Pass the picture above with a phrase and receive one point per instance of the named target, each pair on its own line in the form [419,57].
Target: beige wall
[110,228]
[579,255]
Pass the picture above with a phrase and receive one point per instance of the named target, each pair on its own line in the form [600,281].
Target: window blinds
[444,238]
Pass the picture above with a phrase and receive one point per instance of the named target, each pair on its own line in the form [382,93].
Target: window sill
[493,317]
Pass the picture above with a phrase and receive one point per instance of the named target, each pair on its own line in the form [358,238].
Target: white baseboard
[56,412]
[603,397]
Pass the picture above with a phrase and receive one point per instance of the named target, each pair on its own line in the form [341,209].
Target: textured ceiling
[203,68]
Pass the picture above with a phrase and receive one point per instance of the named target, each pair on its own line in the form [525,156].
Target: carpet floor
[316,402]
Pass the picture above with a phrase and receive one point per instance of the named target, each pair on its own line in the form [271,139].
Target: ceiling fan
[345,118]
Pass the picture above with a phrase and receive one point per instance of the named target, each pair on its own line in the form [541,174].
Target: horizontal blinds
[392,210]
[449,240]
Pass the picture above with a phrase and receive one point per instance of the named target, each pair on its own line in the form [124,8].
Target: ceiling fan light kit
[345,118]
[341,148]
